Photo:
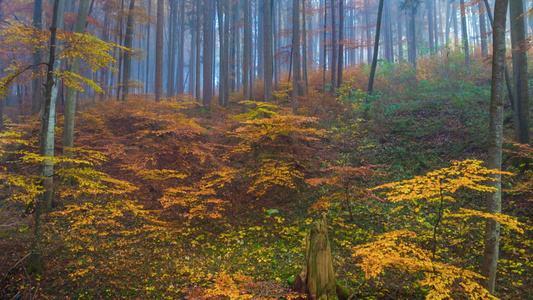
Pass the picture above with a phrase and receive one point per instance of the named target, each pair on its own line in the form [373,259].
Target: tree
[46,148]
[520,81]
[341,43]
[247,52]
[494,159]
[72,92]
[159,51]
[128,43]
[295,54]
[376,48]
[208,53]
[464,34]
[36,82]
[267,35]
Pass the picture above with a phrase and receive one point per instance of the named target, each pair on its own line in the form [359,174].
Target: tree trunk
[46,148]
[464,34]
[520,76]
[148,43]
[159,51]
[341,43]
[181,53]
[208,53]
[483,32]
[128,43]
[317,278]
[171,52]
[494,159]
[295,54]
[267,40]
[376,48]
[72,93]
[304,45]
[247,52]
[36,98]
[411,48]
[333,61]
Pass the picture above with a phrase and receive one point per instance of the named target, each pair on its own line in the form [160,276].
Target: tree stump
[317,279]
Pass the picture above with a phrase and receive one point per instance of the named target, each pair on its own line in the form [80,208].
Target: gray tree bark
[520,84]
[70,106]
[159,51]
[494,159]
[46,148]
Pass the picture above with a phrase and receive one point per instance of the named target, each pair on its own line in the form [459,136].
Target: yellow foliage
[393,250]
[430,187]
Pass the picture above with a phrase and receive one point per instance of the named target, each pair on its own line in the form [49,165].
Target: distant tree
[72,92]
[128,43]
[36,82]
[208,52]
[494,159]
[520,76]
[296,54]
[267,42]
[483,31]
[341,44]
[376,49]
[159,51]
[247,52]
[464,34]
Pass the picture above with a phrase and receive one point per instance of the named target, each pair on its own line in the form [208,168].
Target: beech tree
[494,159]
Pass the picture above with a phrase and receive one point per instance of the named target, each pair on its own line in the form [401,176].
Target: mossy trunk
[317,278]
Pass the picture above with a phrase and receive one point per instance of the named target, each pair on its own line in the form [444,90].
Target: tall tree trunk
[304,45]
[208,53]
[333,62]
[72,93]
[247,52]
[341,44]
[36,98]
[411,49]
[431,22]
[171,52]
[46,148]
[389,48]
[295,54]
[376,48]
[181,52]
[464,34]
[148,43]
[198,88]
[494,159]
[267,40]
[325,45]
[520,76]
[128,43]
[483,31]
[159,50]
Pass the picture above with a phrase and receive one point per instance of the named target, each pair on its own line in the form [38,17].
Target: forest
[266,149]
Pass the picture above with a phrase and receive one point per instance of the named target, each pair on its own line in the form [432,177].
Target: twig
[5,276]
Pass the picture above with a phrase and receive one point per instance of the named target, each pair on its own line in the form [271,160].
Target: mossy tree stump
[317,278]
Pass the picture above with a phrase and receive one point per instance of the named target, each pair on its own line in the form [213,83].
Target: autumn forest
[266,149]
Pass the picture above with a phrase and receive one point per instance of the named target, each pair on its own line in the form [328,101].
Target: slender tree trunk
[181,52]
[411,50]
[36,98]
[46,148]
[171,52]
[494,159]
[483,32]
[520,76]
[304,45]
[159,51]
[296,54]
[376,48]
[148,43]
[247,52]
[208,53]
[325,45]
[333,62]
[464,34]
[72,93]
[431,25]
[341,44]
[128,43]
[198,89]
[267,40]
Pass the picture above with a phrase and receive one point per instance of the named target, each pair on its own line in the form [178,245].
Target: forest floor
[198,202]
